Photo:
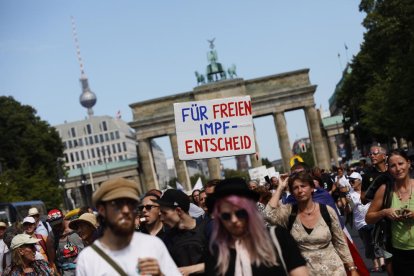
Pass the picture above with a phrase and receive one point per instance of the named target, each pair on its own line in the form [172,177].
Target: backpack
[324,212]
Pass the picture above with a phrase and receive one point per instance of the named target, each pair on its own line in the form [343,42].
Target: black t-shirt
[291,255]
[187,247]
[369,175]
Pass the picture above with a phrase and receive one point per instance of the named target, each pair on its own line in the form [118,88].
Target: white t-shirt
[3,250]
[141,246]
[42,230]
[359,209]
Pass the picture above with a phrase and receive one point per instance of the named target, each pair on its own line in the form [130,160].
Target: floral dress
[325,250]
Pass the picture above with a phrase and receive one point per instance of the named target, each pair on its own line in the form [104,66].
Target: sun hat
[355,175]
[29,220]
[3,224]
[87,218]
[22,239]
[228,187]
[116,188]
[33,211]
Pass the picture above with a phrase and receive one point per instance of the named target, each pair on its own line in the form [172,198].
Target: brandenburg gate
[270,95]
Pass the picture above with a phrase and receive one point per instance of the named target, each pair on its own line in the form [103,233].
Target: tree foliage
[29,150]
[378,92]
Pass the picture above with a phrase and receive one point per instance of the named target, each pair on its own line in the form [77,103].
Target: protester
[203,196]
[378,168]
[394,202]
[29,225]
[3,246]
[359,211]
[314,226]
[186,238]
[86,227]
[8,236]
[23,258]
[151,216]
[130,252]
[42,227]
[210,185]
[240,243]
[195,197]
[67,243]
[253,184]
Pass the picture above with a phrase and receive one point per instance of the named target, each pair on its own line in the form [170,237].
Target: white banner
[214,128]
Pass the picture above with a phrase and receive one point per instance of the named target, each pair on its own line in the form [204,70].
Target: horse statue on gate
[232,71]
[200,78]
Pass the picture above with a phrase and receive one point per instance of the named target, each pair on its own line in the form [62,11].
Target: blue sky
[140,50]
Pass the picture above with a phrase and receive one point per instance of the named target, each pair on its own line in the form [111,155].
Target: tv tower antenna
[87,99]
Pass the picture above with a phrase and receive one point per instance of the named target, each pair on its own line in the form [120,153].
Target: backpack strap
[108,259]
[292,216]
[278,248]
[325,215]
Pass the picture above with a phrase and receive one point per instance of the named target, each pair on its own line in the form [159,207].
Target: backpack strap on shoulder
[325,215]
[292,216]
[108,259]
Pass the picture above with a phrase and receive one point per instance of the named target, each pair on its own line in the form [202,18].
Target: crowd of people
[294,224]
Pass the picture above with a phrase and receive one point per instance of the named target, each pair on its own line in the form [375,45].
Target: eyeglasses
[240,214]
[374,153]
[119,203]
[147,207]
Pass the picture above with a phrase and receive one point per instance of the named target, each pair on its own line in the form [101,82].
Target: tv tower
[87,99]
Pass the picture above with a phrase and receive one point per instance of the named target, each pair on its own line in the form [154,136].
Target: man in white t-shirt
[42,227]
[132,252]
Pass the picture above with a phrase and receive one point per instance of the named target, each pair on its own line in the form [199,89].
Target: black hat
[228,187]
[174,198]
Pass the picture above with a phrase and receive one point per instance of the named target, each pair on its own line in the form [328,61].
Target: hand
[148,266]
[407,213]
[283,181]
[393,214]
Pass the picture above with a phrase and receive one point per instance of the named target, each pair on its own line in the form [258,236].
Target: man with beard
[121,250]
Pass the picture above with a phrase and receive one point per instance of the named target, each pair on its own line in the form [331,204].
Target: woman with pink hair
[240,244]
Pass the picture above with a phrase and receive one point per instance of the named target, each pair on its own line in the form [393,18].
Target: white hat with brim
[33,211]
[22,239]
[3,224]
[29,220]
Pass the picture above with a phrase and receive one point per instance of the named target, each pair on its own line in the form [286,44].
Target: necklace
[401,194]
[311,211]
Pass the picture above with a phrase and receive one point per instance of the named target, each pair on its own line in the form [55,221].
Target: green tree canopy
[29,150]
[378,92]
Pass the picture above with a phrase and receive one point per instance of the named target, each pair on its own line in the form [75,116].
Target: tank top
[402,231]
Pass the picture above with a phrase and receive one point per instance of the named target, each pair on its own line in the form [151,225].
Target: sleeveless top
[402,231]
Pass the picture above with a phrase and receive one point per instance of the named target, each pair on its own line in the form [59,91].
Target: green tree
[377,93]
[229,173]
[29,150]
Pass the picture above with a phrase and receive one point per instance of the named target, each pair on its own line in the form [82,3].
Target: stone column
[146,162]
[320,152]
[214,168]
[333,149]
[283,137]
[255,159]
[180,166]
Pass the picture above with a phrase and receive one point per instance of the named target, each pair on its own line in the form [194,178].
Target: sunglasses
[374,153]
[240,214]
[147,207]
[120,203]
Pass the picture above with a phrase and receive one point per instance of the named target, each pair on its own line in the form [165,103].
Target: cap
[86,217]
[29,220]
[116,188]
[228,187]
[54,217]
[3,224]
[22,239]
[174,198]
[355,175]
[33,211]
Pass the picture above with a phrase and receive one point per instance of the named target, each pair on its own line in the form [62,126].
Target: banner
[214,128]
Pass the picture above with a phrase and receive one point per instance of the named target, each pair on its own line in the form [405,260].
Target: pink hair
[257,240]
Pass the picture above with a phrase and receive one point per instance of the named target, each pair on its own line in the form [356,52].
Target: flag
[198,185]
[179,186]
[118,115]
[339,55]
[346,47]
